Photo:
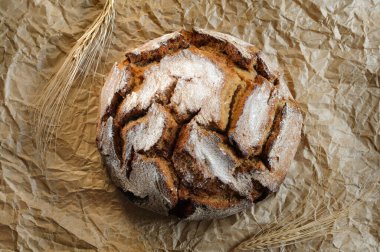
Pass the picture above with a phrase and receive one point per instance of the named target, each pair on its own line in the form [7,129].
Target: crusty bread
[197,124]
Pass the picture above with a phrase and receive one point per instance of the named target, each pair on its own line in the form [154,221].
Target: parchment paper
[329,52]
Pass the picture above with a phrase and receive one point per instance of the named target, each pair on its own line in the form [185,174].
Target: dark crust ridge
[200,40]
[211,195]
[266,70]
[145,57]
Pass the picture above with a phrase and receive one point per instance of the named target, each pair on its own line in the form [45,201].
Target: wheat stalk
[294,231]
[307,222]
[82,59]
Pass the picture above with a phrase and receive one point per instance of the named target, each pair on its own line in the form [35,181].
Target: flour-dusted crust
[197,124]
[252,122]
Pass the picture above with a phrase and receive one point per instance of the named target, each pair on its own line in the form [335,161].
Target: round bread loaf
[197,124]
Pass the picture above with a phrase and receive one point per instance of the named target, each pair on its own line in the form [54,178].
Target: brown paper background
[329,52]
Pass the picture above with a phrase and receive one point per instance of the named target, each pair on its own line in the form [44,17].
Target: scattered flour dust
[252,123]
[145,181]
[288,135]
[208,150]
[146,134]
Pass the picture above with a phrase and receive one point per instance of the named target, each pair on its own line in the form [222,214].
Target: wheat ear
[82,59]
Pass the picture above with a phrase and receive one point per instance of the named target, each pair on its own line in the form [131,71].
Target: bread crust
[197,124]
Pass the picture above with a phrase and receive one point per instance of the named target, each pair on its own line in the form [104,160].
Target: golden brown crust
[197,124]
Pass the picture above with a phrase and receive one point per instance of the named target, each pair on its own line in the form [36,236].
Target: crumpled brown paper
[329,52]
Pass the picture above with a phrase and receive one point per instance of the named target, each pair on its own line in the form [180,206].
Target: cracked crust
[197,124]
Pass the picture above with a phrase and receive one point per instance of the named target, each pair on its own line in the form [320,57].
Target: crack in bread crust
[185,112]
